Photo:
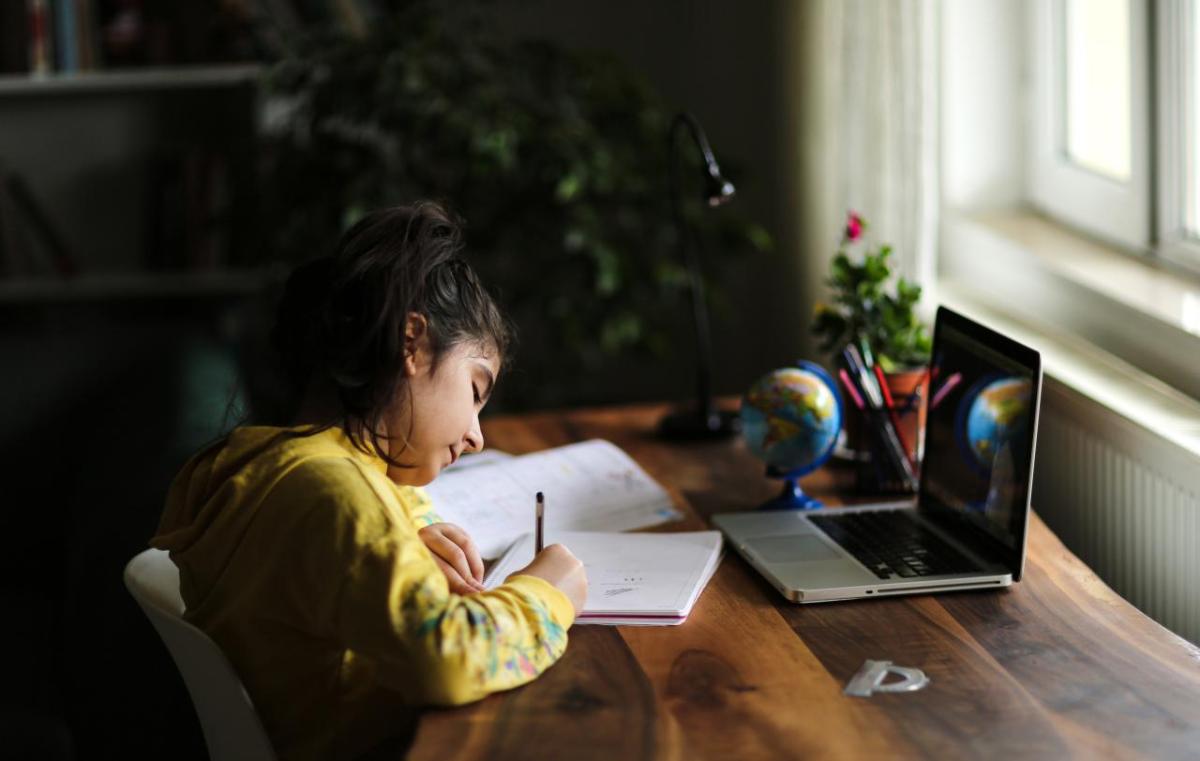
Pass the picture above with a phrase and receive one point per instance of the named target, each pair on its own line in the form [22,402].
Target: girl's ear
[416,343]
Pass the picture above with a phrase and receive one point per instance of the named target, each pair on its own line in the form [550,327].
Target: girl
[310,554]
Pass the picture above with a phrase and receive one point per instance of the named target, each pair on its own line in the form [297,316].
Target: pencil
[540,533]
[890,404]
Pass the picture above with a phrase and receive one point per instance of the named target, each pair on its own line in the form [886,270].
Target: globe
[992,414]
[791,418]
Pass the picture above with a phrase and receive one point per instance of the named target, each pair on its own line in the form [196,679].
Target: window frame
[1116,211]
[1178,111]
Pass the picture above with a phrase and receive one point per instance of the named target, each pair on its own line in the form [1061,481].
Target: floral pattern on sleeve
[420,506]
[504,638]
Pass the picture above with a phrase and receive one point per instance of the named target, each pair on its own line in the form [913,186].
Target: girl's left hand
[456,555]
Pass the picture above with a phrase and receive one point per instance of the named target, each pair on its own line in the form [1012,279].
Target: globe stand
[792,497]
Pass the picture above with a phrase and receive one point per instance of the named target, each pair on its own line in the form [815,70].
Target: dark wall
[108,386]
[102,403]
[732,65]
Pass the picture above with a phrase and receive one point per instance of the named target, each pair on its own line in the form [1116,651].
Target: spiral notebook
[633,579]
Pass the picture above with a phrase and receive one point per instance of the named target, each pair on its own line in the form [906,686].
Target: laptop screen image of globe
[979,437]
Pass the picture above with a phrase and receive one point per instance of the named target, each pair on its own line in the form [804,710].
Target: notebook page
[618,619]
[589,486]
[630,573]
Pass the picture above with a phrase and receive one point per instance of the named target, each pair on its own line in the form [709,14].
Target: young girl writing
[310,554]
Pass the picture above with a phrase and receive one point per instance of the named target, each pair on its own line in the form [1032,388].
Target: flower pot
[910,390]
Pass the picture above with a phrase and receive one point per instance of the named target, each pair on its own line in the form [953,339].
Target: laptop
[965,529]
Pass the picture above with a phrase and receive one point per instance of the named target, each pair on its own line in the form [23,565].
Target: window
[1096,62]
[1089,153]
[1101,75]
[1007,144]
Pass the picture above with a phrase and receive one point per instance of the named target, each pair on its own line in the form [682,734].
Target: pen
[850,389]
[879,418]
[866,380]
[539,534]
[890,404]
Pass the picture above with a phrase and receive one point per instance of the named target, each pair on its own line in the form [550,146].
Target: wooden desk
[1056,667]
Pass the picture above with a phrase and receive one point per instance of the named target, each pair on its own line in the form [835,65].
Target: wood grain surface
[1057,666]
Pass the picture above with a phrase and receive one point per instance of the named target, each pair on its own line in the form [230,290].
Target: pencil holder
[909,391]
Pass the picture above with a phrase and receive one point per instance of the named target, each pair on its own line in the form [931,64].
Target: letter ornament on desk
[869,679]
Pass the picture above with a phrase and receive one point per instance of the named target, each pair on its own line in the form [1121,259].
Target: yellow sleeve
[420,507]
[394,607]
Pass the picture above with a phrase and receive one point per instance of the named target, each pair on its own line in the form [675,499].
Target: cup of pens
[885,420]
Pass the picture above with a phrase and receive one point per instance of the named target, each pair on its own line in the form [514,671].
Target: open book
[589,486]
[633,579]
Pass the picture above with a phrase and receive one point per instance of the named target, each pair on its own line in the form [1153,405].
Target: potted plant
[876,311]
[557,159]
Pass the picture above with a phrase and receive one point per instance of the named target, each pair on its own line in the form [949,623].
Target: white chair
[231,726]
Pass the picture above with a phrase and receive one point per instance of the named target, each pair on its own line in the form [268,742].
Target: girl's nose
[474,437]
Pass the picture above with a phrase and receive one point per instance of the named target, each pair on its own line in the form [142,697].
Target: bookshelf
[97,289]
[130,80]
[99,151]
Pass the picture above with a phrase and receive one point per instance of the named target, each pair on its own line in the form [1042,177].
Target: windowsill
[1120,331]
[1159,293]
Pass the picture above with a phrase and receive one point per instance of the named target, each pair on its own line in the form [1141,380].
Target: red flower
[854,226]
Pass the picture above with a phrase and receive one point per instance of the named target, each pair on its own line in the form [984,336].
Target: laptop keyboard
[892,544]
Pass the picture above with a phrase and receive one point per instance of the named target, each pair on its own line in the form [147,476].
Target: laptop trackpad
[792,548]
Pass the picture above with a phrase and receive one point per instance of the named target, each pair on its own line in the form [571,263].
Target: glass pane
[1097,86]
[1191,192]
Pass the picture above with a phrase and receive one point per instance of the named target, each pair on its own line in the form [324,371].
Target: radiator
[1126,501]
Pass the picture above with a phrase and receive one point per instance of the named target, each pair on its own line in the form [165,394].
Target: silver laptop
[965,529]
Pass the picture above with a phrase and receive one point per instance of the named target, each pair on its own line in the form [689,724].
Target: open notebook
[589,486]
[633,579]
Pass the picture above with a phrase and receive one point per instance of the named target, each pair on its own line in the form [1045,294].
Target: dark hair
[342,318]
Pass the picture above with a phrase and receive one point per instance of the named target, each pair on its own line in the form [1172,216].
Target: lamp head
[717,190]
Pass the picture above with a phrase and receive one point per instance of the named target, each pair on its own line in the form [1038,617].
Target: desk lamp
[703,420]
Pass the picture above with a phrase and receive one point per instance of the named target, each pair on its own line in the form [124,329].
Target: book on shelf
[30,243]
[188,214]
[42,37]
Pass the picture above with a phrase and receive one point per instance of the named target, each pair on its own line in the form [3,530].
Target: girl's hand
[557,565]
[456,555]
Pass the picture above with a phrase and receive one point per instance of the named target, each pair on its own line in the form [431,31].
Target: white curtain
[872,112]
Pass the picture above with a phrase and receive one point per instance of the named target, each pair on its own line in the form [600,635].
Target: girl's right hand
[558,566]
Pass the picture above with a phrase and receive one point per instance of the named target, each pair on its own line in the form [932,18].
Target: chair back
[231,726]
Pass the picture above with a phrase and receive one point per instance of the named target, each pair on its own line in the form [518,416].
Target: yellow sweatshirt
[301,559]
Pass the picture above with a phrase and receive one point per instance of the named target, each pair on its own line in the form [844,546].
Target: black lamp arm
[685,119]
[688,246]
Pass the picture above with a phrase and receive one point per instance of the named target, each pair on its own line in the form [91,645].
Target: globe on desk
[791,418]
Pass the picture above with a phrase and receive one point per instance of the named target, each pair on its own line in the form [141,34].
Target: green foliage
[864,309]
[556,159]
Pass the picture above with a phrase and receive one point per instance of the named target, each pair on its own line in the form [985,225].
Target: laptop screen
[980,431]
